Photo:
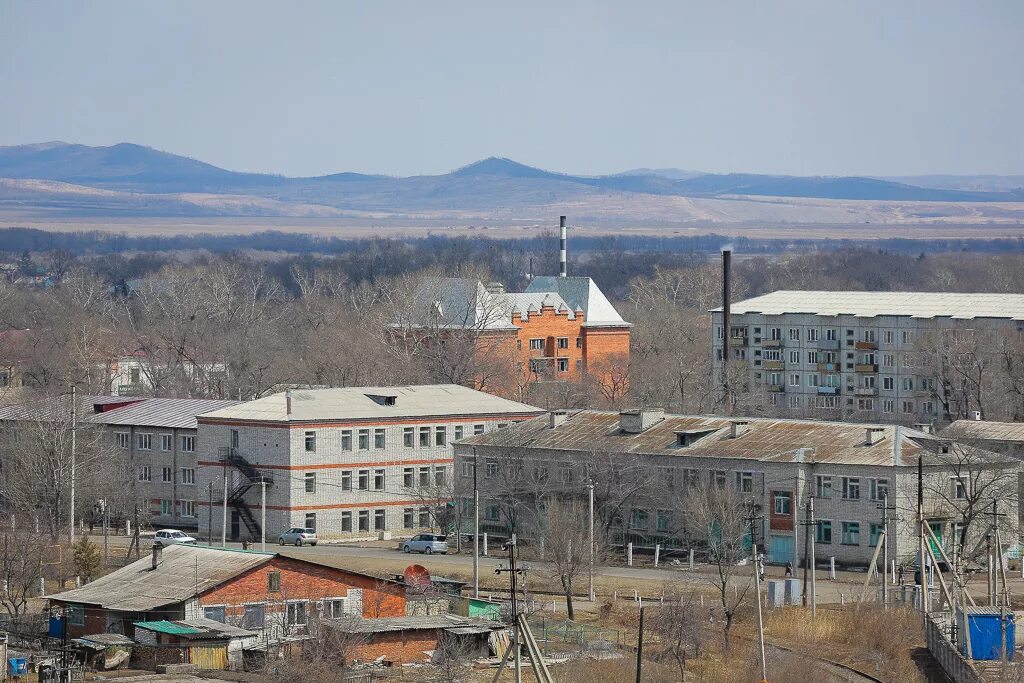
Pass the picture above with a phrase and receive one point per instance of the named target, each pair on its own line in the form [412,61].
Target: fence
[562,635]
[946,653]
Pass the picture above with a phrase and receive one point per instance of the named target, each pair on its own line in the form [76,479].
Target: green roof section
[167,627]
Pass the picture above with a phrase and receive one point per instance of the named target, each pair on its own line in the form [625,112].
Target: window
[310,442]
[563,342]
[774,333]
[311,521]
[851,488]
[296,613]
[563,365]
[908,407]
[166,508]
[794,357]
[579,340]
[812,334]
[409,518]
[717,478]
[812,380]
[879,489]
[491,469]
[335,608]
[364,439]
[888,406]
[76,615]
[467,468]
[869,335]
[640,520]
[425,437]
[378,480]
[234,438]
[851,533]
[144,442]
[822,486]
[832,334]
[440,475]
[310,480]
[145,473]
[536,344]
[794,334]
[745,482]
[794,380]
[408,437]
[408,477]
[478,429]
[378,520]
[364,480]
[888,360]
[781,503]
[907,336]
[166,442]
[364,520]
[253,616]
[887,337]
[908,384]
[122,439]
[823,532]
[865,404]
[959,488]
[874,533]
[215,613]
[888,383]
[346,521]
[775,379]
[346,480]
[425,518]
[794,401]
[378,437]
[440,434]
[166,475]
[812,357]
[346,439]
[424,477]
[458,433]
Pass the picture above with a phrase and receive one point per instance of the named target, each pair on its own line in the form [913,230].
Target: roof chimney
[738,428]
[976,415]
[157,555]
[873,435]
[563,255]
[926,427]
[288,402]
[557,417]
[495,288]
[636,421]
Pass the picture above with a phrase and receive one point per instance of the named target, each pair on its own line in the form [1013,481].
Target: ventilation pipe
[288,402]
[873,435]
[563,254]
[976,415]
[726,319]
[557,417]
[738,428]
[157,555]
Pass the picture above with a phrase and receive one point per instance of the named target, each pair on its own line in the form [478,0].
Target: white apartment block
[347,462]
[852,354]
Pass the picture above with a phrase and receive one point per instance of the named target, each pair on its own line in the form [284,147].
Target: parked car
[298,536]
[166,537]
[426,543]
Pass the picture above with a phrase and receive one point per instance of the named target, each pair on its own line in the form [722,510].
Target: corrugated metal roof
[765,439]
[387,624]
[986,430]
[170,413]
[964,306]
[363,403]
[195,629]
[170,627]
[183,571]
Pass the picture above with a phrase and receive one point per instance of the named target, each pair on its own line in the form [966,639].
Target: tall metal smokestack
[726,318]
[563,254]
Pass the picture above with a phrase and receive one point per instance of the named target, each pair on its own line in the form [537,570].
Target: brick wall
[400,647]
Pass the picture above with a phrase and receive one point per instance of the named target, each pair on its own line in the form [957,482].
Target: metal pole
[807,549]
[760,624]
[640,646]
[590,492]
[476,530]
[74,429]
[885,551]
[814,565]
[516,659]
[263,513]
[224,516]
[106,531]
[923,582]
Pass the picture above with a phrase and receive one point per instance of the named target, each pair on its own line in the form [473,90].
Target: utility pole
[590,495]
[640,646]
[476,529]
[810,559]
[74,429]
[106,532]
[209,518]
[263,513]
[923,581]
[224,515]
[513,573]
[760,624]
[885,507]
[814,564]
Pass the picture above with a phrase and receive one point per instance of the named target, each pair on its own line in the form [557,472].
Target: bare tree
[22,563]
[565,532]
[680,628]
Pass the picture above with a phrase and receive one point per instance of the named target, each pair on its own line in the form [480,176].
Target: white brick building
[348,462]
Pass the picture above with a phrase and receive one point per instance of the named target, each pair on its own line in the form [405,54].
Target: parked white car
[427,544]
[166,537]
[298,536]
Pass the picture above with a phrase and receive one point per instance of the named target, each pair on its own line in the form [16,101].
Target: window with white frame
[336,608]
[408,437]
[536,344]
[851,533]
[794,334]
[346,480]
[310,482]
[188,508]
[295,614]
[794,357]
[166,475]
[409,477]
[851,488]
[346,521]
[822,486]
[254,616]
[424,477]
[378,437]
[812,334]
[440,475]
[364,480]
[346,439]
[440,436]
[879,488]
[478,429]
[166,442]
[409,518]
[794,401]
[364,439]
[378,480]
[188,475]
[379,517]
[144,442]
[794,380]
[888,406]
[166,508]
[959,488]
[425,437]
[364,520]
[309,442]
[122,439]
[145,473]
[458,433]
[745,482]
[887,337]
[188,443]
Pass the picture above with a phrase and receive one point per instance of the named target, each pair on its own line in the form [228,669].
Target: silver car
[426,543]
[298,536]
[166,537]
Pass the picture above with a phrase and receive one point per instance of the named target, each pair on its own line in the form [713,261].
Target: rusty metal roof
[985,430]
[765,439]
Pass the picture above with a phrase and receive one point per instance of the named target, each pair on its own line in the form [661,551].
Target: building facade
[776,466]
[862,355]
[350,462]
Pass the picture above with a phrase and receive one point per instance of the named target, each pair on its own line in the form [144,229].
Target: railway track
[843,673]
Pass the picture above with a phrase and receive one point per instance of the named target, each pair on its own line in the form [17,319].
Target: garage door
[780,549]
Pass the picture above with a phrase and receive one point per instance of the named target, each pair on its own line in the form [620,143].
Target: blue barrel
[18,666]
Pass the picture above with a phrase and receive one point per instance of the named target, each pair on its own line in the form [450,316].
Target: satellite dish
[416,575]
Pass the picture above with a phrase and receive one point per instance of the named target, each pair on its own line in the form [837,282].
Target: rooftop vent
[495,288]
[738,428]
[926,427]
[157,555]
[637,421]
[976,415]
[687,437]
[383,399]
[873,435]
[557,417]
[288,402]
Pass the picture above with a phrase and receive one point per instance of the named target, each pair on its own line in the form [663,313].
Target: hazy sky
[302,88]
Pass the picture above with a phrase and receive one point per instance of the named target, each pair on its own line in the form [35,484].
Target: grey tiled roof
[965,306]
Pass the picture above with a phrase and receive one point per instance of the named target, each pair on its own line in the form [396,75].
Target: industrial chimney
[726,318]
[563,256]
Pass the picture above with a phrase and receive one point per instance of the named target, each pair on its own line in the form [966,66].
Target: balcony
[865,367]
[826,344]
[737,341]
[772,343]
[774,365]
[865,391]
[828,367]
[866,346]
[828,391]
[776,388]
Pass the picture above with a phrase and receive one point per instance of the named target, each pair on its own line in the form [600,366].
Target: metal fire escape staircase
[236,497]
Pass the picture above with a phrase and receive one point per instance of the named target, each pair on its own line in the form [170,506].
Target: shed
[209,645]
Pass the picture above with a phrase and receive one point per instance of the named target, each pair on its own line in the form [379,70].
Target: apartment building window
[424,477]
[296,613]
[928,408]
[310,480]
[408,437]
[869,335]
[467,468]
[346,439]
[408,518]
[346,521]
[745,482]
[440,475]
[563,342]
[378,480]
[491,469]
[831,334]
[822,486]
[908,407]
[425,518]
[781,503]
[794,334]
[166,475]
[851,533]
[874,534]
[519,344]
[717,478]
[364,439]
[458,433]
[364,520]
[144,442]
[364,480]
[888,406]
[478,429]
[879,489]
[823,532]
[865,404]
[188,475]
[888,360]
[379,439]
[188,508]
[440,434]
[310,442]
[772,355]
[536,344]
[408,477]
[959,488]
[145,473]
[794,357]
[812,357]
[812,380]
[887,383]
[378,520]
[887,337]
[794,401]
[166,442]
[274,582]
[234,438]
[166,509]
[812,334]
[425,437]
[907,336]
[794,380]
[641,520]
[311,521]
[868,382]
[851,488]
[579,340]
[215,613]
[254,616]
[775,334]
[122,439]
[346,480]
[828,402]
[563,365]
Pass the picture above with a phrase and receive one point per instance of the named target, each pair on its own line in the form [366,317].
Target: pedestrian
[899,574]
[789,569]
[760,567]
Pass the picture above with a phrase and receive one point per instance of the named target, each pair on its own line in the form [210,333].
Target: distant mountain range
[135,179]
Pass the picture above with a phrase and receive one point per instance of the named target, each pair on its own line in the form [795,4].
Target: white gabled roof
[581,293]
[368,403]
[963,306]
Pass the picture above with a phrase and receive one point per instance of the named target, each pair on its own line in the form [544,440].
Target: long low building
[346,462]
[642,463]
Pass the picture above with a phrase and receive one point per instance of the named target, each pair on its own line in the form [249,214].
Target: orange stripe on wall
[336,506]
[337,465]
